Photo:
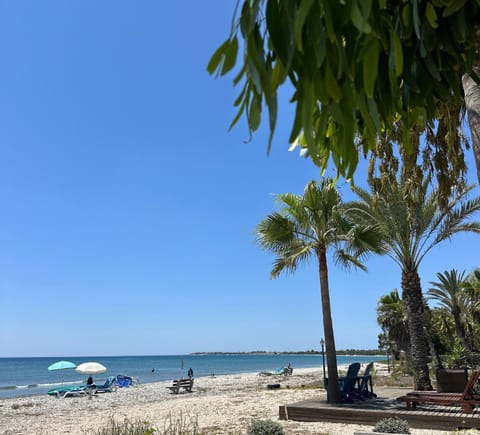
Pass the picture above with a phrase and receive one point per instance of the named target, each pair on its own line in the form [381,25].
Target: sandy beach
[220,405]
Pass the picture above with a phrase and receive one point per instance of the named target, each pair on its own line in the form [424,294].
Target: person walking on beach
[190,373]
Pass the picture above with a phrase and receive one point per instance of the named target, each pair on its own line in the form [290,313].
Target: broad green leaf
[370,65]
[302,13]
[217,57]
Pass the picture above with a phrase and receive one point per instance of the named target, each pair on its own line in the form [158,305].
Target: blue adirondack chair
[364,389]
[347,383]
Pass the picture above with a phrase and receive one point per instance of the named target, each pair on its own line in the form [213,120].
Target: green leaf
[217,57]
[359,20]
[230,56]
[431,15]
[396,47]
[302,13]
[373,110]
[254,114]
[327,13]
[416,19]
[297,123]
[331,84]
[241,109]
[370,65]
[432,68]
[453,7]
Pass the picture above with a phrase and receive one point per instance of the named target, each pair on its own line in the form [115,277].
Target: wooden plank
[423,419]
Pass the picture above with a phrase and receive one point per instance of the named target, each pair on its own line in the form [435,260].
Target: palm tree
[392,318]
[449,295]
[308,226]
[413,223]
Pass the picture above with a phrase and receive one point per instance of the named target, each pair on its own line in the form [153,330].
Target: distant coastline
[347,352]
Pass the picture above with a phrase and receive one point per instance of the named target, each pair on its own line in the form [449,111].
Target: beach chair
[364,388]
[124,381]
[108,386]
[347,383]
[467,400]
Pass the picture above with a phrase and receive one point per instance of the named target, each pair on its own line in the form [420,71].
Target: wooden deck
[370,411]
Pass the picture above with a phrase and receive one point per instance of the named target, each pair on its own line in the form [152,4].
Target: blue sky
[128,209]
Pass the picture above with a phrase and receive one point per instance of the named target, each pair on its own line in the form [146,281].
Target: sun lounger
[467,400]
[68,391]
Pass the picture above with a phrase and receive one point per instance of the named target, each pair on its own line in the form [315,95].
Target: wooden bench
[178,384]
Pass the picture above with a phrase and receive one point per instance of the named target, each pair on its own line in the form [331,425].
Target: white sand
[221,405]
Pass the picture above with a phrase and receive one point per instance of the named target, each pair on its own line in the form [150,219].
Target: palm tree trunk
[472,104]
[412,296]
[333,395]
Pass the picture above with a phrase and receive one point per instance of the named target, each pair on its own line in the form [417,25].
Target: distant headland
[298,352]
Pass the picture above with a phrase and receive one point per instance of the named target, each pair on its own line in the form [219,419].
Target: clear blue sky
[127,208]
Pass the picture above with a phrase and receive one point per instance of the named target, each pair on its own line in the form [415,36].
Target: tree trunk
[333,395]
[412,296]
[459,328]
[472,104]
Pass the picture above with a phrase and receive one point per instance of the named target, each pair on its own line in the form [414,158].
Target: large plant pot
[451,380]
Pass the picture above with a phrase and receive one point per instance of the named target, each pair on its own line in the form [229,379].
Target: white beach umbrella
[91,368]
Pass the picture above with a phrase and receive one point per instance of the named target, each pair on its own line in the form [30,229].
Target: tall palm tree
[392,318]
[308,226]
[413,223]
[449,294]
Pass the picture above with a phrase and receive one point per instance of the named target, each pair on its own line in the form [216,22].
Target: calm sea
[29,376]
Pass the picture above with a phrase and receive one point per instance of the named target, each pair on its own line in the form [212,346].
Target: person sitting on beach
[90,382]
[190,373]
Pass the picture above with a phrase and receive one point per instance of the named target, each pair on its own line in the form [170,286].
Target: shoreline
[222,404]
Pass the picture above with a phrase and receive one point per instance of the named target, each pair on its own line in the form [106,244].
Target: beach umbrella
[62,365]
[91,368]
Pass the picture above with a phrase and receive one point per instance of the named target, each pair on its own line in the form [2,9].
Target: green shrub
[173,425]
[265,427]
[392,425]
[127,427]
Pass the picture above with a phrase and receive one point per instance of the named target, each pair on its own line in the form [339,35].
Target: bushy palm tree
[310,225]
[448,293]
[413,223]
[392,318]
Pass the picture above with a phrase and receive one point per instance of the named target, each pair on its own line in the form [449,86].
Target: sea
[30,376]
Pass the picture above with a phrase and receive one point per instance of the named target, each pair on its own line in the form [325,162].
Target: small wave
[56,384]
[8,387]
